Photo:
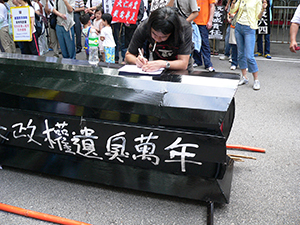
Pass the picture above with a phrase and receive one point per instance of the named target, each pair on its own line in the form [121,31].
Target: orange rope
[253,149]
[38,215]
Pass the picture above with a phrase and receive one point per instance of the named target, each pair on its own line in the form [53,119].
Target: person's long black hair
[165,20]
[28,2]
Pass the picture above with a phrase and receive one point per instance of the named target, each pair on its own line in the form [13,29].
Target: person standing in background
[204,22]
[79,7]
[5,37]
[108,39]
[188,9]
[267,18]
[53,42]
[65,27]
[249,12]
[91,6]
[294,30]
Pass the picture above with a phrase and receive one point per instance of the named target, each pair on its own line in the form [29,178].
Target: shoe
[50,49]
[257,54]
[256,85]
[195,65]
[78,51]
[243,80]
[268,56]
[233,67]
[224,57]
[211,69]
[230,60]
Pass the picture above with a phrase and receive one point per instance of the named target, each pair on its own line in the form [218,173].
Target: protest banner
[216,31]
[126,11]
[21,23]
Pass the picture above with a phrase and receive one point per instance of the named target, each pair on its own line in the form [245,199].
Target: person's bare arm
[211,15]
[170,3]
[293,33]
[192,16]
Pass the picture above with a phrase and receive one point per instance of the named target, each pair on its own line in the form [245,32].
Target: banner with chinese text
[125,11]
[21,23]
[216,31]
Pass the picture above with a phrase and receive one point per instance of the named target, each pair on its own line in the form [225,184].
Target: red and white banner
[125,11]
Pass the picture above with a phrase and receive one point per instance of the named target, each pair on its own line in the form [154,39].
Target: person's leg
[259,45]
[267,44]
[240,42]
[197,55]
[77,29]
[6,40]
[129,30]
[116,33]
[122,43]
[34,45]
[249,49]
[205,48]
[227,45]
[60,30]
[70,43]
[234,55]
[53,42]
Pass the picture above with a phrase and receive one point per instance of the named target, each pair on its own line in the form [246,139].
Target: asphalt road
[264,191]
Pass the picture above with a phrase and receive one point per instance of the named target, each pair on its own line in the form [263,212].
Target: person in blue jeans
[245,31]
[260,49]
[65,27]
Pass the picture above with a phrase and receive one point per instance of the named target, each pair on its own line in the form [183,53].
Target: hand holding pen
[141,60]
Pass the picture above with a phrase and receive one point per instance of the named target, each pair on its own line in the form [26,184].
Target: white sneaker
[230,60]
[224,57]
[256,85]
[211,69]
[233,67]
[243,80]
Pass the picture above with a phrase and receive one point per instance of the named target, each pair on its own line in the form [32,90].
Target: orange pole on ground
[38,215]
[253,149]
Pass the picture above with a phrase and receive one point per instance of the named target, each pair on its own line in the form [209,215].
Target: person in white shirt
[108,39]
[30,47]
[294,30]
[6,39]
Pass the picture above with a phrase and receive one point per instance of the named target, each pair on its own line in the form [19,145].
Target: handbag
[53,21]
[234,20]
[53,17]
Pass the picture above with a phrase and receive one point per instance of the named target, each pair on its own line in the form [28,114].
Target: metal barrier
[283,12]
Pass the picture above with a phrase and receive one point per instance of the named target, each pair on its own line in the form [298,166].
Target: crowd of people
[177,33]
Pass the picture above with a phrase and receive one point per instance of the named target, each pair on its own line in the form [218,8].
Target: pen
[154,47]
[144,61]
[140,52]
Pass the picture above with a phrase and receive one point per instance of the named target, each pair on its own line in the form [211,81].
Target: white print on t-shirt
[165,53]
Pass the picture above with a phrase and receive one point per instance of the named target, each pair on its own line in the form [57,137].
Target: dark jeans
[205,49]
[234,55]
[227,45]
[77,29]
[260,43]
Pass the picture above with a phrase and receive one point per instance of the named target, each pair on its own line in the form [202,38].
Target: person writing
[170,39]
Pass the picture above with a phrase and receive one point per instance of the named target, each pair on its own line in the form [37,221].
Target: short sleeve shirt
[296,17]
[186,7]
[164,50]
[203,16]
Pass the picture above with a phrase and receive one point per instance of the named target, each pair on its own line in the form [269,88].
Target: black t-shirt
[166,50]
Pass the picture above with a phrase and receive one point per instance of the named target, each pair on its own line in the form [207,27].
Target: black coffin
[163,134]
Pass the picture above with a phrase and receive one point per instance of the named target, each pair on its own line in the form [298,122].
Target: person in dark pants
[79,7]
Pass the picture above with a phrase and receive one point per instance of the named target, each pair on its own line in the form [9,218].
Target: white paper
[134,69]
